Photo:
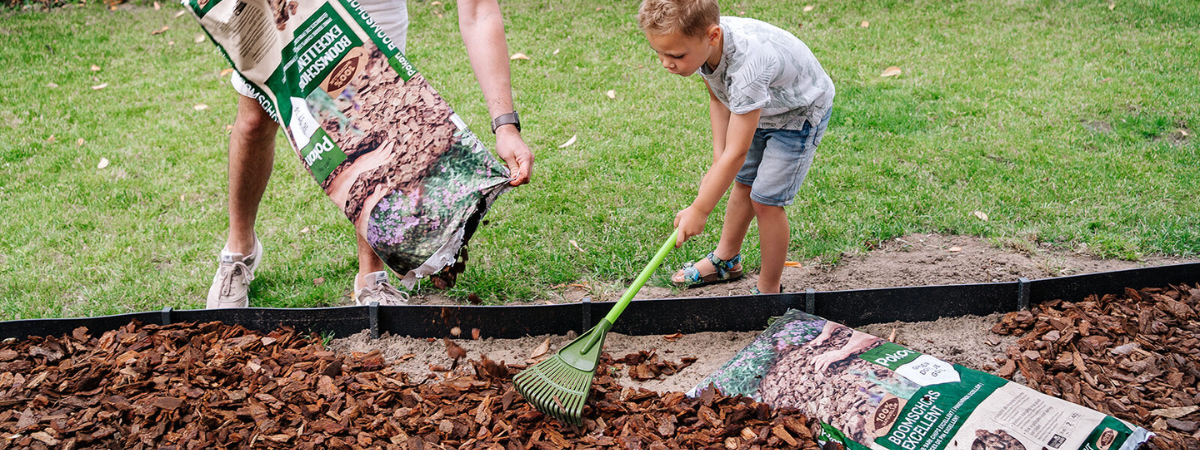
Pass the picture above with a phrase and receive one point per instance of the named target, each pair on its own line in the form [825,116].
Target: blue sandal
[727,270]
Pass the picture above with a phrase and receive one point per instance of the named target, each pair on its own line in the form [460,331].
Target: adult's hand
[515,153]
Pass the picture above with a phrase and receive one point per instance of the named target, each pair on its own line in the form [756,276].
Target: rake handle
[632,291]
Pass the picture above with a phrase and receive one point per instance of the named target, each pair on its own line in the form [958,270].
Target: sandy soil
[912,260]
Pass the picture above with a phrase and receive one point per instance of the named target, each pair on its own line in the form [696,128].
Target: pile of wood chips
[191,386]
[1135,357]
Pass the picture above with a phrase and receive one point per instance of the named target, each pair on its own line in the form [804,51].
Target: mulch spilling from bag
[190,386]
[1136,357]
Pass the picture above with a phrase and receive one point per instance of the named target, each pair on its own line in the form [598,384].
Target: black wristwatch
[505,119]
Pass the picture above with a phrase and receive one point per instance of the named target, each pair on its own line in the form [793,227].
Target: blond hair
[690,17]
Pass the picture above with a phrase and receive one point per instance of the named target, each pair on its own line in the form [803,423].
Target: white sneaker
[231,285]
[376,288]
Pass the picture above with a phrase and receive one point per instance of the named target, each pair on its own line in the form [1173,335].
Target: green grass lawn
[1067,122]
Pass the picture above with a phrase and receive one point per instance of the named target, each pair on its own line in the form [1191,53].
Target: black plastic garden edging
[647,317]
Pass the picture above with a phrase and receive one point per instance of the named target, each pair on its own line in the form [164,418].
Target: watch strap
[505,119]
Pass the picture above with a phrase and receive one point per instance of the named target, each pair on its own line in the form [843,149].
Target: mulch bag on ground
[873,394]
[381,143]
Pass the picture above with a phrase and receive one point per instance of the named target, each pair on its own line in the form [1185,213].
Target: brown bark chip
[191,386]
[1134,356]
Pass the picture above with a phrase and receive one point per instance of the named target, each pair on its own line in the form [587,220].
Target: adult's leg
[251,157]
[773,235]
[368,262]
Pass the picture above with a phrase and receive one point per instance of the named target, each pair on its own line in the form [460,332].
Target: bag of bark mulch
[381,143]
[872,394]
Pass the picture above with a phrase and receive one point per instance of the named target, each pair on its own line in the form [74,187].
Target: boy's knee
[252,121]
[761,208]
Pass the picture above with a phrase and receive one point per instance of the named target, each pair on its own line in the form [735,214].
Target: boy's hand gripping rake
[559,385]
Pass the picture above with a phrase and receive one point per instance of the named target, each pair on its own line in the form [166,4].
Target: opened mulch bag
[869,393]
[384,146]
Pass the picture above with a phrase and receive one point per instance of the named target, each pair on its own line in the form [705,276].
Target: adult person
[252,152]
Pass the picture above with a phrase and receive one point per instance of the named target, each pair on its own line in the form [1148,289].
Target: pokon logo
[892,358]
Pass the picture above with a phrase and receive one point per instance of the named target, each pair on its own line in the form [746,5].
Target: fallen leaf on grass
[200,107]
[304,230]
[517,56]
[791,264]
[541,349]
[52,85]
[576,245]
[569,142]
[51,139]
[99,86]
[864,24]
[611,94]
[955,249]
[226,72]
[79,143]
[1112,6]
[95,68]
[981,215]
[157,6]
[170,42]
[103,163]
[160,30]
[809,8]
[673,337]
[556,51]
[180,13]
[891,72]
[318,281]
[199,38]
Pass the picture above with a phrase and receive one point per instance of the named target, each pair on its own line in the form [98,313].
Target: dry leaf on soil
[791,264]
[541,349]
[103,163]
[955,249]
[569,142]
[891,72]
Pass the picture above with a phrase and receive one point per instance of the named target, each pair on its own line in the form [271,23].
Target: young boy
[769,104]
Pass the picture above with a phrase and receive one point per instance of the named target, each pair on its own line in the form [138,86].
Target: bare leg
[251,156]
[773,235]
[368,261]
[738,215]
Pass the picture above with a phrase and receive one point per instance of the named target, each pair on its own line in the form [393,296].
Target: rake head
[556,388]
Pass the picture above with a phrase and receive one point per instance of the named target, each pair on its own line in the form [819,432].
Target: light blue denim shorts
[778,161]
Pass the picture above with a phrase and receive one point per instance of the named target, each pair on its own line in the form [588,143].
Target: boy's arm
[482,28]
[727,160]
[718,114]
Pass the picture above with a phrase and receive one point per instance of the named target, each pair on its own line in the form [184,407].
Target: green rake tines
[559,385]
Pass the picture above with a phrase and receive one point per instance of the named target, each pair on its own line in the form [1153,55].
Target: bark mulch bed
[1135,356]
[189,386]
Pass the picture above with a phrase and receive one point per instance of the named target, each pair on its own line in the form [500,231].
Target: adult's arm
[482,28]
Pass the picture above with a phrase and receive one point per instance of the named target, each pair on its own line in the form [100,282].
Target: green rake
[558,386]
